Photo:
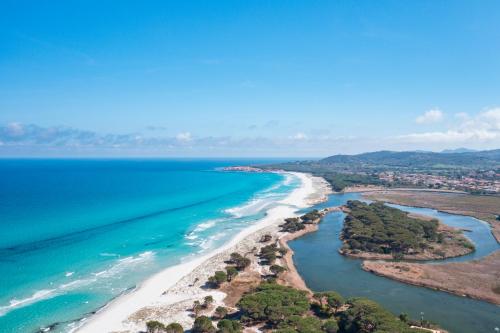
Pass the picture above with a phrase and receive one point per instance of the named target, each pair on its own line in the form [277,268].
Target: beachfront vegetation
[174,328]
[220,312]
[311,217]
[239,261]
[217,279]
[292,224]
[157,327]
[154,326]
[379,228]
[268,253]
[197,307]
[277,269]
[203,324]
[266,238]
[231,273]
[207,301]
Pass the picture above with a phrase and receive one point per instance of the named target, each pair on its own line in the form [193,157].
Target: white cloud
[299,136]
[432,116]
[184,137]
[485,127]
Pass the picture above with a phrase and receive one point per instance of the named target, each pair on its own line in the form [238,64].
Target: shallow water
[323,268]
[77,233]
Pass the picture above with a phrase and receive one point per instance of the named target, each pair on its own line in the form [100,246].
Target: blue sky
[247,78]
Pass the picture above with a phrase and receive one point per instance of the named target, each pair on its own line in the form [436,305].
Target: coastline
[168,294]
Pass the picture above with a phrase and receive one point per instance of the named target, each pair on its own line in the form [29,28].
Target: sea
[77,233]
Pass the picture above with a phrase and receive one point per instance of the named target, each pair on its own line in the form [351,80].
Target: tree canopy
[272,303]
[379,228]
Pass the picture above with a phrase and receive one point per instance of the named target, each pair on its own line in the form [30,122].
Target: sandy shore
[168,295]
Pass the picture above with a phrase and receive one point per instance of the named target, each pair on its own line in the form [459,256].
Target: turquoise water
[323,268]
[77,233]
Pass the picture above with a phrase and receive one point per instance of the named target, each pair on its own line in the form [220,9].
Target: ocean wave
[37,296]
[263,200]
[43,294]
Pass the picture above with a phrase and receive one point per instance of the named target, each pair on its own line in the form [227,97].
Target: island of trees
[377,231]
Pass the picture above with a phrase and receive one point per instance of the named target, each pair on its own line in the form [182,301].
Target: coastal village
[487,182]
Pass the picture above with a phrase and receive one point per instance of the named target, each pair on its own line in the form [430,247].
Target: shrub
[311,216]
[329,301]
[292,225]
[231,272]
[217,279]
[174,328]
[203,324]
[266,238]
[229,326]
[220,312]
[207,301]
[239,261]
[330,326]
[277,269]
[154,326]
[197,308]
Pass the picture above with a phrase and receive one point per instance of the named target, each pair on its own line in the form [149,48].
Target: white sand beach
[167,295]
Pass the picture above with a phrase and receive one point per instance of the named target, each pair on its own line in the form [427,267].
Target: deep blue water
[76,233]
[323,268]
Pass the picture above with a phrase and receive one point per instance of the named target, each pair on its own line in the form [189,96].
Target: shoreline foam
[168,294]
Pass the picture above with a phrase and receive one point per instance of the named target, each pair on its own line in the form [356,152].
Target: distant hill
[412,160]
[342,171]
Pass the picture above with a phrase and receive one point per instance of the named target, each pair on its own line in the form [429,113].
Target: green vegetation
[364,315]
[268,253]
[239,261]
[207,301]
[311,217]
[266,238]
[277,269]
[157,327]
[217,279]
[174,328]
[298,324]
[330,326]
[197,307]
[220,312]
[329,302]
[292,224]
[340,181]
[342,171]
[229,326]
[270,303]
[381,229]
[231,273]
[203,324]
